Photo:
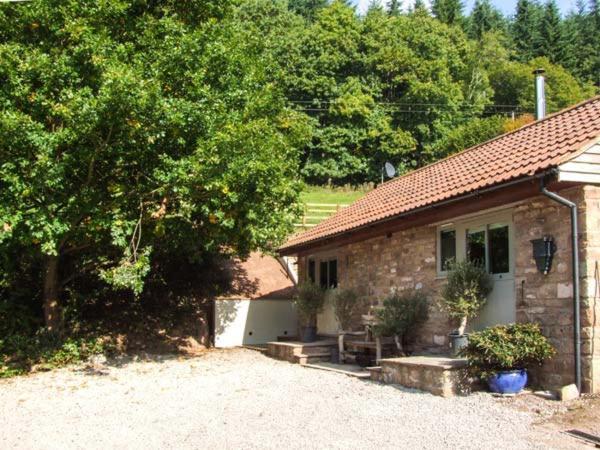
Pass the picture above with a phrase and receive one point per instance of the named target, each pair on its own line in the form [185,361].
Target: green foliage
[310,299]
[347,304]
[402,314]
[465,291]
[20,353]
[512,82]
[484,18]
[469,134]
[447,11]
[506,347]
[124,124]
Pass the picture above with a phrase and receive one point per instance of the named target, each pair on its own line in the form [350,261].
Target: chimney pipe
[540,94]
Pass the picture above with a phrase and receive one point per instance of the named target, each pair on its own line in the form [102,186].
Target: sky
[506,6]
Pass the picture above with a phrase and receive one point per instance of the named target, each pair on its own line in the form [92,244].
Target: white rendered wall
[248,322]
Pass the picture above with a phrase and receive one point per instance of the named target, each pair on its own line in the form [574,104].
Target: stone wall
[547,299]
[590,288]
[407,260]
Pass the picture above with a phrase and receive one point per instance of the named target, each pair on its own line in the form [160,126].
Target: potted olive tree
[463,296]
[347,306]
[401,316]
[309,301]
[502,354]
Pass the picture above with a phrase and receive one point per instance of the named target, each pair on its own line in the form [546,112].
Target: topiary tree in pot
[463,296]
[502,354]
[401,316]
[309,301]
[347,305]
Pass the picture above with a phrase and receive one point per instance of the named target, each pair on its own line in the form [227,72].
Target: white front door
[490,242]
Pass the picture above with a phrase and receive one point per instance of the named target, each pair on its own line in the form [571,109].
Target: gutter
[477,193]
[575,258]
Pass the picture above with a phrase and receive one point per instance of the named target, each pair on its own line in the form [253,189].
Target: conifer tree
[307,8]
[394,7]
[420,8]
[484,18]
[525,30]
[447,11]
[550,36]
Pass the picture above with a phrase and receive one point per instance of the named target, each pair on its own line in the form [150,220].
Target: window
[487,244]
[312,268]
[328,274]
[476,247]
[447,248]
[498,245]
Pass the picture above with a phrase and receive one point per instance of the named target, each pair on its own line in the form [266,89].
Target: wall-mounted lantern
[543,252]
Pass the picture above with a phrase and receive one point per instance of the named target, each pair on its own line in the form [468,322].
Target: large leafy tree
[128,124]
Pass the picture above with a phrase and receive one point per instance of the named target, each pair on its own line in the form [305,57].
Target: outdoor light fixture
[543,252]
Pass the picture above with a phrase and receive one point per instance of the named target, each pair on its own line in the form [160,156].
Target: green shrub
[465,292]
[346,304]
[401,315]
[309,301]
[19,353]
[506,347]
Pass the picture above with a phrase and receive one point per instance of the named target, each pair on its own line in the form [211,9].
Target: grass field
[323,194]
[320,202]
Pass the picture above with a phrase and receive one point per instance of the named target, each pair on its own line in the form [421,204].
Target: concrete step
[312,358]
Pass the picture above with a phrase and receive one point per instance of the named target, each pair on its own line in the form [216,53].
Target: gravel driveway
[242,399]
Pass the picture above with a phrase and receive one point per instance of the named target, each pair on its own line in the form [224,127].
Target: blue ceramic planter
[509,382]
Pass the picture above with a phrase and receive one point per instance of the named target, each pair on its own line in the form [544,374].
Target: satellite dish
[390,170]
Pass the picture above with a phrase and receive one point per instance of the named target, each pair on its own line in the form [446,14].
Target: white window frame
[318,259]
[484,222]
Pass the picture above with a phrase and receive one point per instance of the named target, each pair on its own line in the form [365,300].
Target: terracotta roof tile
[534,148]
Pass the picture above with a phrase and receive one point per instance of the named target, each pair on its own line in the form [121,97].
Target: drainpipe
[575,257]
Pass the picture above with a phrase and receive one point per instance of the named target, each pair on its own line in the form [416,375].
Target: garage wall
[250,322]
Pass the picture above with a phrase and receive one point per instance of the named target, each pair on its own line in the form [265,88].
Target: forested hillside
[412,85]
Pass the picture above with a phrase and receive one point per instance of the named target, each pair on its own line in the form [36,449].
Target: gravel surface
[242,399]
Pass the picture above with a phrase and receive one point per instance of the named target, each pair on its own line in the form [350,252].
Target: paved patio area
[230,399]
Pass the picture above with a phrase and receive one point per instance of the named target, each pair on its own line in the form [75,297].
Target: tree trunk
[462,326]
[52,316]
[399,346]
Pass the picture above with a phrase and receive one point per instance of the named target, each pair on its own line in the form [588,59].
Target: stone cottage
[491,202]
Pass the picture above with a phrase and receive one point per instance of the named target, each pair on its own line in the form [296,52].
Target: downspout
[575,258]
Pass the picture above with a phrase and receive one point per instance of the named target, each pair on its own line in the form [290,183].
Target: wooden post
[341,347]
[304,218]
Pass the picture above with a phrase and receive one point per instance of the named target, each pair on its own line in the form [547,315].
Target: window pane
[333,273]
[447,248]
[498,237]
[476,247]
[323,274]
[311,270]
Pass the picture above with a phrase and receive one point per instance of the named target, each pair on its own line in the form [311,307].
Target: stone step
[312,358]
[306,350]
[294,351]
[438,375]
